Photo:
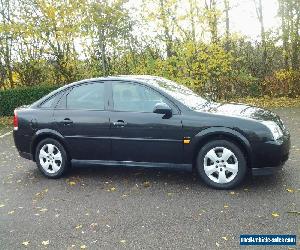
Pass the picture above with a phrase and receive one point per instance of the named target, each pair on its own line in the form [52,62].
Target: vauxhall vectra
[149,121]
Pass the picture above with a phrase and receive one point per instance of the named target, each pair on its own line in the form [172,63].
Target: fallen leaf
[43,210]
[45,242]
[78,226]
[146,184]
[2,205]
[232,193]
[226,206]
[25,243]
[83,247]
[169,194]
[274,214]
[94,225]
[112,189]
[72,183]
[290,190]
[217,244]
[123,241]
[11,212]
[224,238]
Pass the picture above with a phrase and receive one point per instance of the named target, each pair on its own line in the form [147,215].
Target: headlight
[274,128]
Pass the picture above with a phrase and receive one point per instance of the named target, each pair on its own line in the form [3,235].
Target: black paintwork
[149,139]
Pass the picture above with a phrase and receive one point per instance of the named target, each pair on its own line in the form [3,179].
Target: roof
[122,77]
[142,78]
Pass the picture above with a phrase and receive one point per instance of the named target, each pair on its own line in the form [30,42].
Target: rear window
[49,103]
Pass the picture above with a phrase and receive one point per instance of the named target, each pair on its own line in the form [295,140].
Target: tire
[215,170]
[51,158]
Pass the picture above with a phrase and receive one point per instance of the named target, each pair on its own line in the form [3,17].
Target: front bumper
[269,157]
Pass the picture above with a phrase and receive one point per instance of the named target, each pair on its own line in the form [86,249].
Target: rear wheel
[51,158]
[221,164]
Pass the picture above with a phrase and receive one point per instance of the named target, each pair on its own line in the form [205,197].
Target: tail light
[16,122]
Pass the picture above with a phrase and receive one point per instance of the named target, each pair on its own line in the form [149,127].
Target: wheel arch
[47,133]
[220,133]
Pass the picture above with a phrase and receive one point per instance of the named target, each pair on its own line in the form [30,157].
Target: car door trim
[86,163]
[123,138]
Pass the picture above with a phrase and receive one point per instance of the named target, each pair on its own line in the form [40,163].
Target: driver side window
[135,97]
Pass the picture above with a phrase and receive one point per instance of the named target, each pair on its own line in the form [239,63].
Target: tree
[226,9]
[289,11]
[6,40]
[259,13]
[164,14]
[212,14]
[56,24]
[110,27]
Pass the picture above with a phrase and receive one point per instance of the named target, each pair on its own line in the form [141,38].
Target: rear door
[82,118]
[138,134]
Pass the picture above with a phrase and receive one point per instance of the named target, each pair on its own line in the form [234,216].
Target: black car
[152,122]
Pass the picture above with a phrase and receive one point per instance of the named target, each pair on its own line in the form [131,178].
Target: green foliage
[58,42]
[13,98]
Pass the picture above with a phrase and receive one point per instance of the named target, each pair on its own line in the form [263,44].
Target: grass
[6,121]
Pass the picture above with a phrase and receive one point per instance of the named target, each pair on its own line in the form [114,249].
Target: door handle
[119,123]
[67,121]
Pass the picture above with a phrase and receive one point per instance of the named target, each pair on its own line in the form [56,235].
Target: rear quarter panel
[29,122]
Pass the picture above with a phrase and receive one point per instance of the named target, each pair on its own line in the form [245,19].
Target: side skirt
[88,163]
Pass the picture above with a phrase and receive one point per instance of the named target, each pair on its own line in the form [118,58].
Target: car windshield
[179,92]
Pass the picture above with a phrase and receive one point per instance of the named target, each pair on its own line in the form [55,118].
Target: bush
[238,84]
[13,98]
[282,83]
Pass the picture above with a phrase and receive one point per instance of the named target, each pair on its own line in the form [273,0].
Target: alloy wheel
[50,158]
[221,165]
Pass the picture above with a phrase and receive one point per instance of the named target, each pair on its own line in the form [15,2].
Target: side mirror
[163,108]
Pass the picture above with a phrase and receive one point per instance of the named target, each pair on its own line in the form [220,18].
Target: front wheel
[51,158]
[221,164]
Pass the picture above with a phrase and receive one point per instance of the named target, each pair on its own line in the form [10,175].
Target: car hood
[240,110]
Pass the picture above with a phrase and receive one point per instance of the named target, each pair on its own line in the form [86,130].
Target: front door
[82,118]
[137,133]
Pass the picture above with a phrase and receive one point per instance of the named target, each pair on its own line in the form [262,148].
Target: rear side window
[49,103]
[87,96]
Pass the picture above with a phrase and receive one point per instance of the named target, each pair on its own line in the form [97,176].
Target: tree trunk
[212,20]
[5,12]
[259,12]
[167,36]
[192,19]
[296,41]
[227,43]
[103,52]
[285,34]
